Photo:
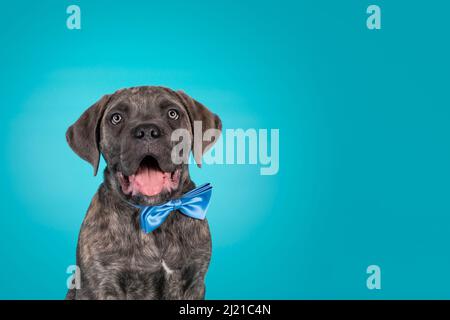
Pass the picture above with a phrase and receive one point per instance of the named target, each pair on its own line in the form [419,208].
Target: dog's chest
[172,246]
[165,260]
[140,265]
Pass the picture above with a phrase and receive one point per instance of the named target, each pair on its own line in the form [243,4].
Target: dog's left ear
[84,135]
[209,120]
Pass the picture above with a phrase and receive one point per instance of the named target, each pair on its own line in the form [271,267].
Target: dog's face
[132,129]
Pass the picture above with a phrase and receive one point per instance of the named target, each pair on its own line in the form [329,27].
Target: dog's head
[132,129]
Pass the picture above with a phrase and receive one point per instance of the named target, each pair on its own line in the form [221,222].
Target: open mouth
[149,180]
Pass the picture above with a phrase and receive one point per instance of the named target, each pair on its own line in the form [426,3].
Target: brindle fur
[117,260]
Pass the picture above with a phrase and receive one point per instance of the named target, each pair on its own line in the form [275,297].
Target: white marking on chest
[166,268]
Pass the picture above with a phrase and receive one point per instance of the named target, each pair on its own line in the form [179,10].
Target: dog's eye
[173,114]
[116,118]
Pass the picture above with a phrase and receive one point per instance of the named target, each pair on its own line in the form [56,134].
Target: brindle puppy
[132,130]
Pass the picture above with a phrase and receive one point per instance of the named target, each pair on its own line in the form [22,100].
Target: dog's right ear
[84,135]
[198,112]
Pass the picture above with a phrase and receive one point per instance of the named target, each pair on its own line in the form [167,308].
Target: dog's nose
[147,131]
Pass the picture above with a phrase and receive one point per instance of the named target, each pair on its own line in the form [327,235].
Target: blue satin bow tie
[193,204]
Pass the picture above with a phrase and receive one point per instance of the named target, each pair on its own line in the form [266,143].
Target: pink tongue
[148,182]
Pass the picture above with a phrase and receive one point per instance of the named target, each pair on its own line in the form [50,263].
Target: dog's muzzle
[149,179]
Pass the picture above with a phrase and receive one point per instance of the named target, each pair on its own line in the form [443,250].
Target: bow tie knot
[177,203]
[193,204]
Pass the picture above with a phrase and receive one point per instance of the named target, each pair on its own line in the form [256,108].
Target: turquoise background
[364,138]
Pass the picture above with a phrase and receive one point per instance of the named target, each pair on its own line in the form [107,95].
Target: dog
[132,129]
